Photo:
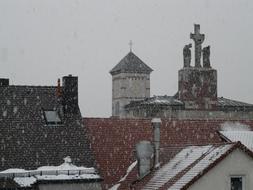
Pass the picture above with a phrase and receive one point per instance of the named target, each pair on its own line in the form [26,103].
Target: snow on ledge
[65,171]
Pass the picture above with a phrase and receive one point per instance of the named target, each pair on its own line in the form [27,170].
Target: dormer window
[52,117]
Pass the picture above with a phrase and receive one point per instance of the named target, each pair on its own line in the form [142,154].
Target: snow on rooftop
[235,131]
[181,161]
[25,181]
[192,160]
[163,100]
[245,137]
[115,187]
[65,171]
[213,154]
[234,126]
[12,170]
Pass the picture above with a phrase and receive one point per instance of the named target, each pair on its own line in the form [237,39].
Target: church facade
[196,97]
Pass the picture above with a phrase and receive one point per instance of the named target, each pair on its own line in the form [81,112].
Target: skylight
[52,117]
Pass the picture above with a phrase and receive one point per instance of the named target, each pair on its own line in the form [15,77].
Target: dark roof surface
[131,64]
[27,142]
[223,103]
[113,140]
[9,184]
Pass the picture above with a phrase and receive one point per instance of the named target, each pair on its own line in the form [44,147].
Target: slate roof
[9,184]
[27,142]
[224,103]
[131,64]
[113,142]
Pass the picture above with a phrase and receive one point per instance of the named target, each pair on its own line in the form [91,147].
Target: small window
[237,183]
[52,117]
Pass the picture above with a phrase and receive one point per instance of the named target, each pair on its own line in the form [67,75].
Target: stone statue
[206,57]
[187,55]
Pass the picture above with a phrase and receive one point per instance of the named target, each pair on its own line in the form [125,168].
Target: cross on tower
[130,45]
[198,39]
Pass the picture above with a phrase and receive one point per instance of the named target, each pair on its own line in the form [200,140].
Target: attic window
[237,183]
[52,117]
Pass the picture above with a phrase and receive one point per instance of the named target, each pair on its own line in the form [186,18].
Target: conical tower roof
[131,64]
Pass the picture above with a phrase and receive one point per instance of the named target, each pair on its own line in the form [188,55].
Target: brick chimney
[4,82]
[70,94]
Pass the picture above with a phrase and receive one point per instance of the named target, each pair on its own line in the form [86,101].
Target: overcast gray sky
[42,40]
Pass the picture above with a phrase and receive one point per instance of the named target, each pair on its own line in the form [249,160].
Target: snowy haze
[42,40]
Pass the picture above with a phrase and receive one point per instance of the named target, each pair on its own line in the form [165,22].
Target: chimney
[70,94]
[58,90]
[156,123]
[144,153]
[4,82]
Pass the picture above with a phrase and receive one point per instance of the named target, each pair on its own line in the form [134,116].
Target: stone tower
[130,82]
[197,85]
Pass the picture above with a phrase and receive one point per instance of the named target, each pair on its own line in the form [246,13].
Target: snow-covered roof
[188,164]
[157,100]
[65,171]
[223,103]
[245,137]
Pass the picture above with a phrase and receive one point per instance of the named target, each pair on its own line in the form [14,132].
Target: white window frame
[238,176]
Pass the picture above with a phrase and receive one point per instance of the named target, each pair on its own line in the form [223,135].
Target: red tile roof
[113,141]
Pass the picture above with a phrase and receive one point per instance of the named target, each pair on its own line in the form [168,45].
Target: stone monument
[198,40]
[206,57]
[197,85]
[187,55]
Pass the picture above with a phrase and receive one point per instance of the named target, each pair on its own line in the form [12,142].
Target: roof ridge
[216,161]
[204,144]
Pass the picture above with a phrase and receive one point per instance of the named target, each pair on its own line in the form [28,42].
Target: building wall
[71,186]
[237,163]
[127,87]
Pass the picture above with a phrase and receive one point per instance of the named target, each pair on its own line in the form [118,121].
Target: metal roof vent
[144,153]
[156,123]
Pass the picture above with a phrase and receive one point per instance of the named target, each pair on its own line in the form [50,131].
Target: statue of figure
[206,57]
[187,55]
